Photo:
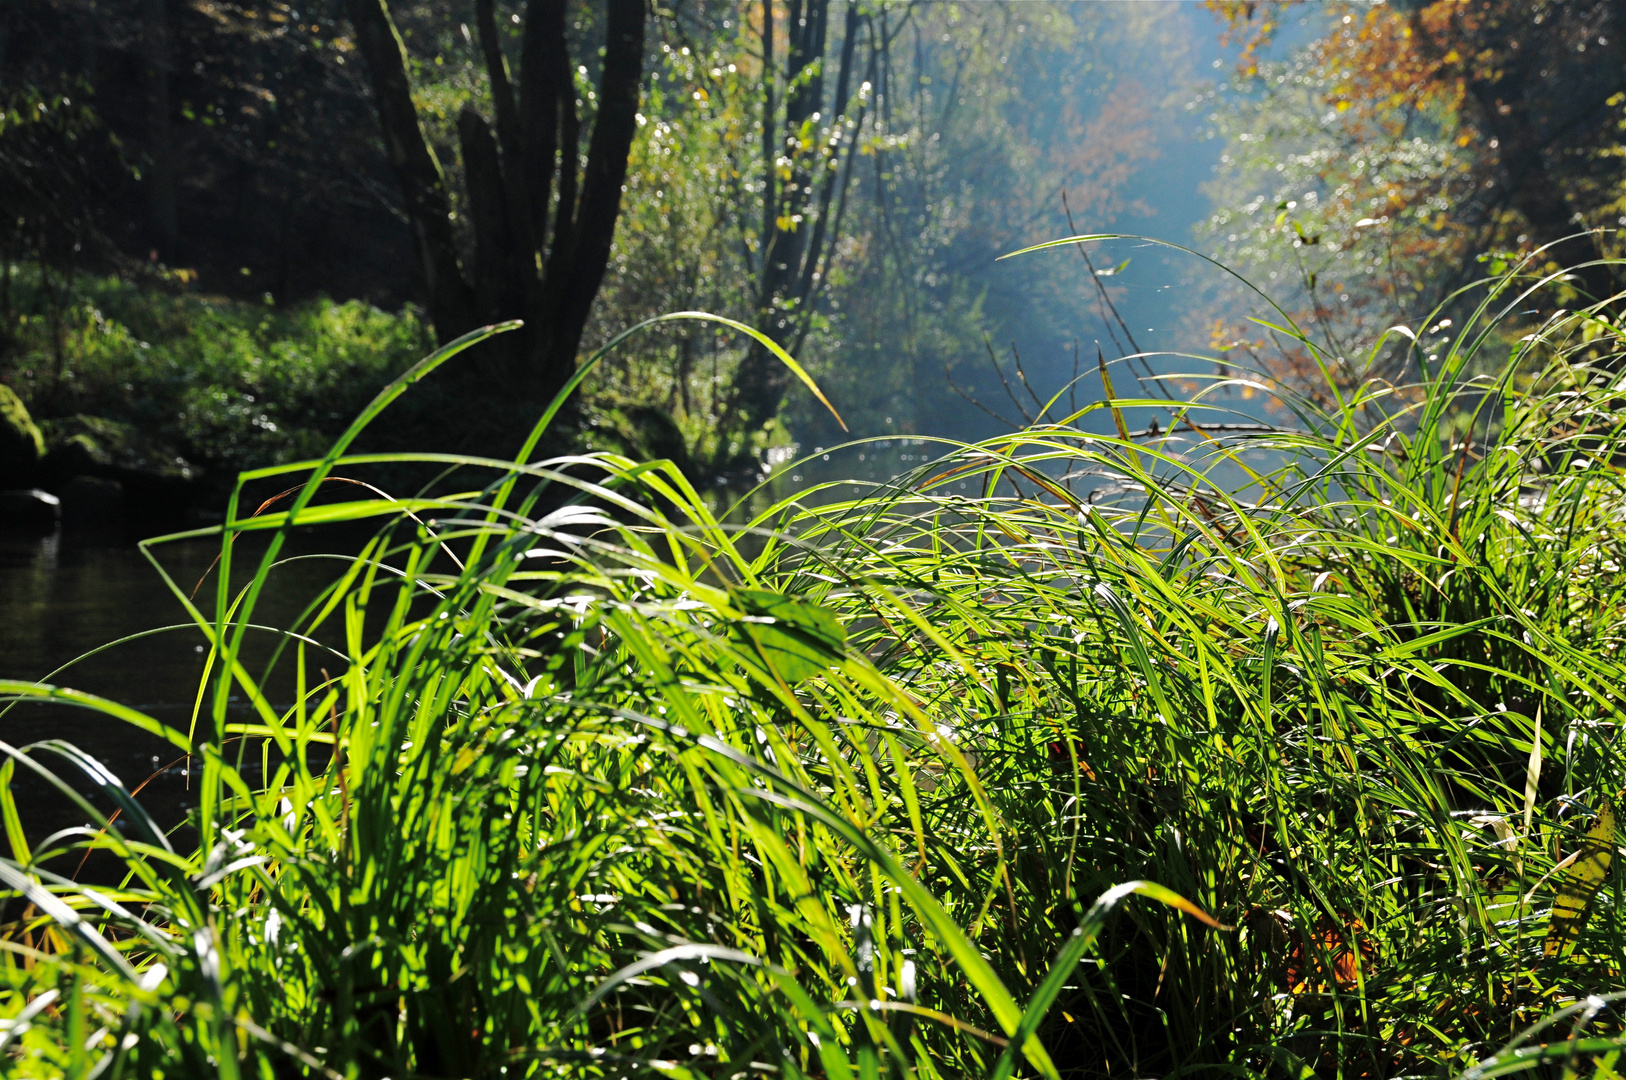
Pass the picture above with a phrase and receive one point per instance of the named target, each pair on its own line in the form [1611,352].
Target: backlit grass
[1065,754]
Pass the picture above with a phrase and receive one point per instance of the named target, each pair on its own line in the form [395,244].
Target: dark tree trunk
[581,264]
[518,181]
[423,185]
[520,232]
[1540,100]
[160,136]
[496,288]
[546,100]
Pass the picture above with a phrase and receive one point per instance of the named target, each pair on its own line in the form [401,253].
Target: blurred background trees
[540,205]
[812,167]
[1400,151]
[247,148]
[839,173]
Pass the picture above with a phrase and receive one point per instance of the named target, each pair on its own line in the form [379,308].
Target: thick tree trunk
[451,305]
[502,91]
[546,98]
[510,178]
[498,292]
[521,229]
[593,230]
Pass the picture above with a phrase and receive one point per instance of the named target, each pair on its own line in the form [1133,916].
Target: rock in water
[32,511]
[159,485]
[95,446]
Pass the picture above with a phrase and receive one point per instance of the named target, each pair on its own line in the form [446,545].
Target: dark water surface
[60,601]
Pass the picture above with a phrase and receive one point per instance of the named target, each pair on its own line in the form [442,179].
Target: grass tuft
[578,778]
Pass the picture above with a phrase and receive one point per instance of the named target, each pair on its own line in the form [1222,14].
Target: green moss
[21,444]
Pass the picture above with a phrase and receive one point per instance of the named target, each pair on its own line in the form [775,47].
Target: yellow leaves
[1453,57]
[1578,880]
[1220,335]
[785,223]
[1343,105]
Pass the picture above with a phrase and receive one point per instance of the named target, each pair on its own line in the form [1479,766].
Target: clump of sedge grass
[598,787]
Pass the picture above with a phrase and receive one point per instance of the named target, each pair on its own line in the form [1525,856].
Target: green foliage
[1365,175]
[50,143]
[1327,208]
[268,100]
[575,777]
[960,101]
[226,384]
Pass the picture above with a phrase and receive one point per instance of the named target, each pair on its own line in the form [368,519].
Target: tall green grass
[580,779]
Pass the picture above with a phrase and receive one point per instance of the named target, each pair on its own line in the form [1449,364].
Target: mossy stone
[21,444]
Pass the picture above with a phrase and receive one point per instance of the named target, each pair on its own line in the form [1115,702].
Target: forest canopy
[840,175]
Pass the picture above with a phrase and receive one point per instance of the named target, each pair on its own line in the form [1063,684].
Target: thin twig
[1022,374]
[994,360]
[974,401]
[1095,276]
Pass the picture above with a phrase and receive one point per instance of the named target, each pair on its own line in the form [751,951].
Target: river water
[61,602]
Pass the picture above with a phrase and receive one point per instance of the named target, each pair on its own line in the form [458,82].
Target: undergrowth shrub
[229,384]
